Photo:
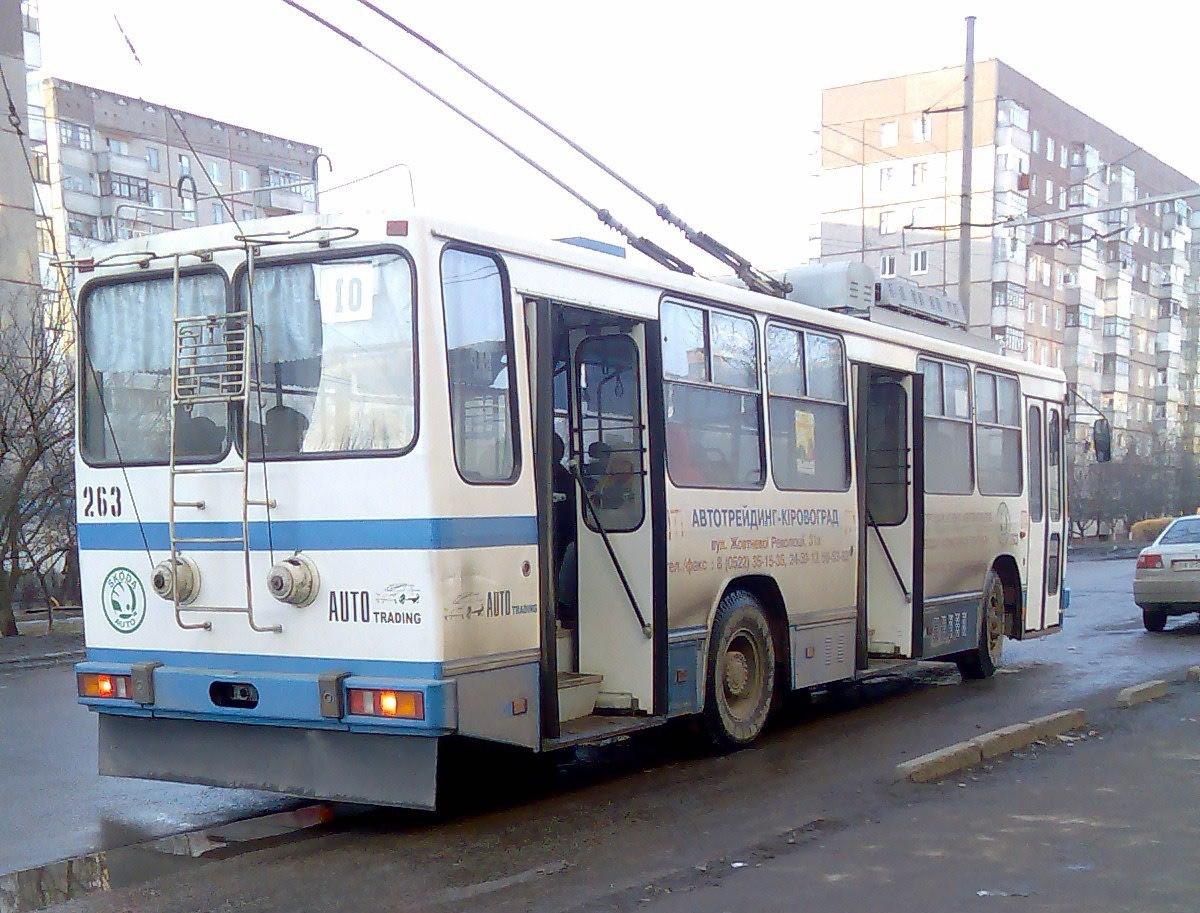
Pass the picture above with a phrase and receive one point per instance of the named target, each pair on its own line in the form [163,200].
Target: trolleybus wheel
[983,660]
[1154,619]
[740,684]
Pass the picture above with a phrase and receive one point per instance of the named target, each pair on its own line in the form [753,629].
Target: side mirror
[1102,440]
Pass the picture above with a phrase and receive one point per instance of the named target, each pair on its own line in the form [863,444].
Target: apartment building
[114,167]
[18,275]
[1109,298]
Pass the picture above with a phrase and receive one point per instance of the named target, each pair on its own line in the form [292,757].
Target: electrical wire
[644,245]
[745,270]
[14,120]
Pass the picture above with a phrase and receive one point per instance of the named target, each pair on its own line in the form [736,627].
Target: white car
[1167,579]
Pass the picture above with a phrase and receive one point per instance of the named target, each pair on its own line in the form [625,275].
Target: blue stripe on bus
[319,535]
[258,662]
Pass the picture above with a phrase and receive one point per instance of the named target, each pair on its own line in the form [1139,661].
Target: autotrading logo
[124,600]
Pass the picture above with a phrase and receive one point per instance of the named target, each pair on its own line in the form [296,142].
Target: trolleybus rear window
[335,355]
[128,333]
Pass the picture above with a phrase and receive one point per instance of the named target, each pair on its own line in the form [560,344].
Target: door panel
[891,509]
[610,449]
[1056,513]
[1035,563]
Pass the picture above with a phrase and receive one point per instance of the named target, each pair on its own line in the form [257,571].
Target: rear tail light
[102,684]
[400,705]
[1149,562]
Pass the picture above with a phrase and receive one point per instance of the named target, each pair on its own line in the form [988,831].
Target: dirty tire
[1154,620]
[740,685]
[983,660]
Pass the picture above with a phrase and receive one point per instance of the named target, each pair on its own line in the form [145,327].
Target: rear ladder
[211,363]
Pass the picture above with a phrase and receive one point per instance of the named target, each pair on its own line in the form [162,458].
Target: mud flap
[373,768]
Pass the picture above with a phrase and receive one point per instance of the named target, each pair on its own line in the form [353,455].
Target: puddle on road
[57,882]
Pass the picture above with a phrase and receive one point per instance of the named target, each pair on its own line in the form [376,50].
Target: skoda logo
[124,600]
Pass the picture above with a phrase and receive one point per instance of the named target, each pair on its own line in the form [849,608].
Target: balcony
[285,201]
[1009,271]
[132,165]
[1014,182]
[1010,135]
[85,203]
[1167,394]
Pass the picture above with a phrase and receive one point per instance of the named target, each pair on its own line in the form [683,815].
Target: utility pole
[968,144]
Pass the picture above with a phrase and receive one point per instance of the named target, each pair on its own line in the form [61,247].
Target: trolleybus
[349,486]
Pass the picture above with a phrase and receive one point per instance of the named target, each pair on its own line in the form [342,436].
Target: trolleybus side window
[711,388]
[806,399]
[947,428]
[1034,424]
[128,334]
[479,349]
[1054,464]
[887,454]
[335,356]
[998,434]
[610,428]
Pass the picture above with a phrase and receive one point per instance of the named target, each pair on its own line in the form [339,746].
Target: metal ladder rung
[203,470]
[227,609]
[195,539]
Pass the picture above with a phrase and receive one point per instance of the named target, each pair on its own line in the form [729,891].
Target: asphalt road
[617,831]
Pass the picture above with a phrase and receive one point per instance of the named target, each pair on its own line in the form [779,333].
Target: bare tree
[36,426]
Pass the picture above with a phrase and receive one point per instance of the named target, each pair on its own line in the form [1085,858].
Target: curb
[42,659]
[1006,740]
[1140,694]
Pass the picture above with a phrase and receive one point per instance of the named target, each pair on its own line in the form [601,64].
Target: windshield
[335,349]
[1182,532]
[126,394]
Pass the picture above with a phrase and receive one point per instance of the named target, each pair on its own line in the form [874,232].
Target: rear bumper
[315,763]
[1166,591]
[288,689]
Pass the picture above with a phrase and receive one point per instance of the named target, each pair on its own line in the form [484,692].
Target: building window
[41,165]
[922,129]
[243,179]
[1049,191]
[1037,141]
[806,386]
[947,428]
[189,209]
[152,160]
[998,434]
[888,134]
[887,222]
[292,181]
[887,265]
[45,236]
[125,186]
[482,377]
[919,172]
[214,173]
[218,214]
[246,216]
[886,173]
[83,226]
[919,262]
[73,134]
[185,165]
[119,146]
[1049,149]
[711,388]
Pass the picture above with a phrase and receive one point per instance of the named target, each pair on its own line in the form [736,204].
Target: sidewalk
[64,643]
[1108,823]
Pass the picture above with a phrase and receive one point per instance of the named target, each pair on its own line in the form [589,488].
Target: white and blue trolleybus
[350,486]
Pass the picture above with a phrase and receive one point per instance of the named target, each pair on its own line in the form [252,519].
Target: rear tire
[740,685]
[1154,620]
[983,660]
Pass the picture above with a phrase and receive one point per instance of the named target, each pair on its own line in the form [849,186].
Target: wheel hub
[737,674]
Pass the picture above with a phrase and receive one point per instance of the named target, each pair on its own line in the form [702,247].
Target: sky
[711,108]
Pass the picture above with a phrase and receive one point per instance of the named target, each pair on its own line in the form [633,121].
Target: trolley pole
[968,143]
